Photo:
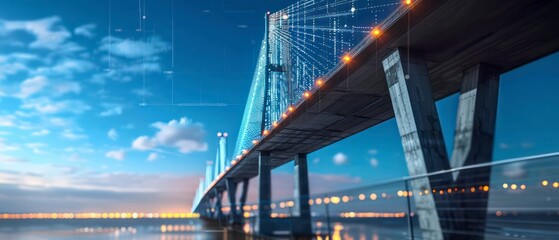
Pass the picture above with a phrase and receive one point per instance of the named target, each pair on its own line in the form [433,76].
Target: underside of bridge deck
[452,35]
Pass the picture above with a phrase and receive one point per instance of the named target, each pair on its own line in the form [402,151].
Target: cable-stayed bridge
[328,69]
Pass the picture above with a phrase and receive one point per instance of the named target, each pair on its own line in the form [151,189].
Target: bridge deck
[453,35]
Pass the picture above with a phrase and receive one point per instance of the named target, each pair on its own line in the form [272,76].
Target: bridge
[329,69]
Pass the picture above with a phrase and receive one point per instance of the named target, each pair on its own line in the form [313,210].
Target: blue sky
[73,136]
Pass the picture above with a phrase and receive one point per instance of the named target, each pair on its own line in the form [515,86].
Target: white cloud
[7,121]
[85,30]
[67,87]
[183,134]
[65,67]
[111,110]
[11,159]
[374,162]
[316,161]
[143,143]
[116,154]
[112,134]
[5,147]
[46,106]
[373,151]
[340,158]
[31,86]
[42,132]
[48,32]
[152,157]
[71,135]
[134,49]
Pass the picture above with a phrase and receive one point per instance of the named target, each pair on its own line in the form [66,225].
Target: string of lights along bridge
[303,44]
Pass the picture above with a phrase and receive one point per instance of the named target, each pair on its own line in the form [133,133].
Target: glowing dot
[291,109]
[284,115]
[275,124]
[375,31]
[486,188]
[306,94]
[373,196]
[556,184]
[505,186]
[265,132]
[522,186]
[544,183]
[361,197]
[285,17]
[408,2]
[513,186]
[353,9]
[346,58]
[319,82]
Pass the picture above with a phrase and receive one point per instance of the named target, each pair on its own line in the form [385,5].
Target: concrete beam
[418,124]
[473,144]
[232,195]
[302,209]
[218,214]
[265,193]
[243,198]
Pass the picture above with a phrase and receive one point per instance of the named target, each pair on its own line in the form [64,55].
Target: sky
[90,117]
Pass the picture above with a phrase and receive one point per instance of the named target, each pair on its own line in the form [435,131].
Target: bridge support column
[217,212]
[473,144]
[302,209]
[243,198]
[422,139]
[232,195]
[264,194]
[419,127]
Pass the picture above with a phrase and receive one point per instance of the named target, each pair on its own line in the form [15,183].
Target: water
[137,229]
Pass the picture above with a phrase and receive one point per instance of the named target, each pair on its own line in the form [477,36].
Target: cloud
[182,134]
[66,67]
[85,30]
[67,87]
[71,135]
[129,48]
[10,159]
[316,161]
[31,86]
[48,32]
[5,147]
[47,106]
[143,143]
[152,157]
[116,154]
[373,151]
[374,162]
[340,158]
[111,110]
[7,121]
[112,134]
[96,192]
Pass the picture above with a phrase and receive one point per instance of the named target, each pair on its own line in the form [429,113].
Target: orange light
[254,142]
[346,58]
[319,82]
[306,94]
[375,32]
[265,132]
[275,124]
[284,115]
[408,2]
[544,183]
[245,151]
[291,109]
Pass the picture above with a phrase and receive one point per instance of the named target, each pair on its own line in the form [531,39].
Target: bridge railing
[522,202]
